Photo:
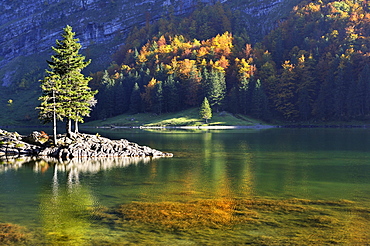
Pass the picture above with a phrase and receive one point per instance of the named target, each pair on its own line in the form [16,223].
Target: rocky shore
[76,146]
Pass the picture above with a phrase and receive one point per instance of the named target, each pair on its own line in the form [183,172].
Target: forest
[314,67]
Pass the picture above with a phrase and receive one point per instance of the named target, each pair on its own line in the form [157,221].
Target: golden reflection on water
[64,213]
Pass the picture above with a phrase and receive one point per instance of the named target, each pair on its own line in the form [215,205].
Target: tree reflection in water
[73,166]
[66,208]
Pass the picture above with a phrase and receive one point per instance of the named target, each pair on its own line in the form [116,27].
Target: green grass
[22,111]
[189,117]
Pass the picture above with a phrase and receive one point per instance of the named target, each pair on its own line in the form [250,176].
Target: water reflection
[66,211]
[74,166]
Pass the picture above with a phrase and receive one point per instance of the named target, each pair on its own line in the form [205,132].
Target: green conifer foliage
[216,88]
[259,102]
[66,92]
[205,110]
[135,100]
[158,98]
[50,107]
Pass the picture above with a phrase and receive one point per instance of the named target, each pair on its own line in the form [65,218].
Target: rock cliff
[30,27]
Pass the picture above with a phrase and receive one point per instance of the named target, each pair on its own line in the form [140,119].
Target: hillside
[311,61]
[29,28]
[314,67]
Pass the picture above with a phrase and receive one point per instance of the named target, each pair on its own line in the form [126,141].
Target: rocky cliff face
[30,27]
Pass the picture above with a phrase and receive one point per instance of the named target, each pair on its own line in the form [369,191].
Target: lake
[222,187]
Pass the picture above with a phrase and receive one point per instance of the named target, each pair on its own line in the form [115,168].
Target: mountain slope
[29,28]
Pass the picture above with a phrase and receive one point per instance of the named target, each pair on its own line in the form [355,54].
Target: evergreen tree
[305,84]
[364,90]
[323,107]
[232,101]
[135,100]
[72,96]
[82,98]
[122,96]
[50,107]
[171,99]
[284,97]
[205,111]
[243,95]
[158,98]
[304,104]
[216,88]
[259,102]
[324,104]
[339,95]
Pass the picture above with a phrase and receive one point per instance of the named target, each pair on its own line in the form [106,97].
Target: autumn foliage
[314,67]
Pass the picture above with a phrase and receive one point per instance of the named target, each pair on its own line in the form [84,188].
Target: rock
[53,151]
[76,146]
[36,138]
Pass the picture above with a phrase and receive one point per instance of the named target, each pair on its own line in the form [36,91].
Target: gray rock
[76,146]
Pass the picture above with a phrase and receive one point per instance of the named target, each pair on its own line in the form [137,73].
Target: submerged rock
[76,146]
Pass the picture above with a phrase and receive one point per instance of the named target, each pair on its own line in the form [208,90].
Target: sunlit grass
[189,117]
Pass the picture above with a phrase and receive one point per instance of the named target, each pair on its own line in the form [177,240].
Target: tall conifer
[135,99]
[216,88]
[205,110]
[72,98]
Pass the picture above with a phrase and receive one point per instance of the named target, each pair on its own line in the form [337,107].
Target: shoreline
[184,127]
[256,126]
[217,127]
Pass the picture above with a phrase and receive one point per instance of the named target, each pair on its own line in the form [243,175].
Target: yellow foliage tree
[147,96]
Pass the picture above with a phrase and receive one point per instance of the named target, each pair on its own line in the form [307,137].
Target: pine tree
[364,90]
[259,102]
[135,100]
[284,98]
[216,88]
[108,98]
[50,107]
[243,95]
[65,90]
[171,98]
[205,110]
[339,94]
[158,98]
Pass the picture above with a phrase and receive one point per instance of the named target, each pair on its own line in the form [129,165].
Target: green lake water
[222,187]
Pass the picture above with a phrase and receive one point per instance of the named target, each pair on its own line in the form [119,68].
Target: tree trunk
[76,126]
[54,128]
[54,121]
[69,127]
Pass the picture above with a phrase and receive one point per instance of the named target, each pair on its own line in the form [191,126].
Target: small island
[78,145]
